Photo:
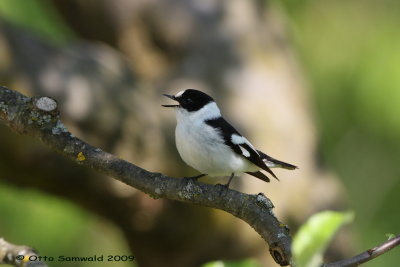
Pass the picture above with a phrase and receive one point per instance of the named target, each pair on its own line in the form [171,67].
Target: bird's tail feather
[260,176]
[277,163]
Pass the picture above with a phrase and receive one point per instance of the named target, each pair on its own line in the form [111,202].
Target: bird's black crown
[193,100]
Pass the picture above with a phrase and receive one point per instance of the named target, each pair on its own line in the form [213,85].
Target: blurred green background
[348,57]
[350,51]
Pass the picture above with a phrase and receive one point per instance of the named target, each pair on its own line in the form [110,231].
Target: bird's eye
[186,101]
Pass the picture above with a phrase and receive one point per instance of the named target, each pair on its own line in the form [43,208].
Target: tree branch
[19,255]
[39,117]
[366,255]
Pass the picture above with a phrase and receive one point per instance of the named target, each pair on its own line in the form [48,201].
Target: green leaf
[39,16]
[390,236]
[244,263]
[314,236]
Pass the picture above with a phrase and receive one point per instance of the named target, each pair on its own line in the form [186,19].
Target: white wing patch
[237,140]
[244,151]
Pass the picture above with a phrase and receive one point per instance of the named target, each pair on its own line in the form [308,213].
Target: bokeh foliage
[56,228]
[350,53]
[315,235]
[49,224]
[37,16]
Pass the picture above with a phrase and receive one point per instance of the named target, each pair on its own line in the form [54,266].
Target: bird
[211,145]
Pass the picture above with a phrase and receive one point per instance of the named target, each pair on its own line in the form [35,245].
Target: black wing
[260,176]
[277,163]
[244,148]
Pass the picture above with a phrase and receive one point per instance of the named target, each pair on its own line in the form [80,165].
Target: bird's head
[190,99]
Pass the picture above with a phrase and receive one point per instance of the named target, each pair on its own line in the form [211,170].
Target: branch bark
[366,255]
[39,117]
[19,255]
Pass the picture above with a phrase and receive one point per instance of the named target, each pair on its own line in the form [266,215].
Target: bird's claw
[194,178]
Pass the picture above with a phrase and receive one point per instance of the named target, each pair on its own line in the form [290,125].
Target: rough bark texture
[22,256]
[366,255]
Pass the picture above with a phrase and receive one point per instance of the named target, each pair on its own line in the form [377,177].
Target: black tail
[267,159]
[260,176]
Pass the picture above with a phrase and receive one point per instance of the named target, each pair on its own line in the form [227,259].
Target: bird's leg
[230,180]
[226,186]
[196,177]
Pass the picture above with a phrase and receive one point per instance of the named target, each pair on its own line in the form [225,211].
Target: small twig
[366,255]
[39,117]
[19,255]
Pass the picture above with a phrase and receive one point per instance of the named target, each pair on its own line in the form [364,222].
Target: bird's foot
[225,187]
[194,178]
[229,181]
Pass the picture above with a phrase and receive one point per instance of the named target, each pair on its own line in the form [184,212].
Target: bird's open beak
[173,98]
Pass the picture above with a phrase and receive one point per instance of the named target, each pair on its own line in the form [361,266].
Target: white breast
[202,148]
